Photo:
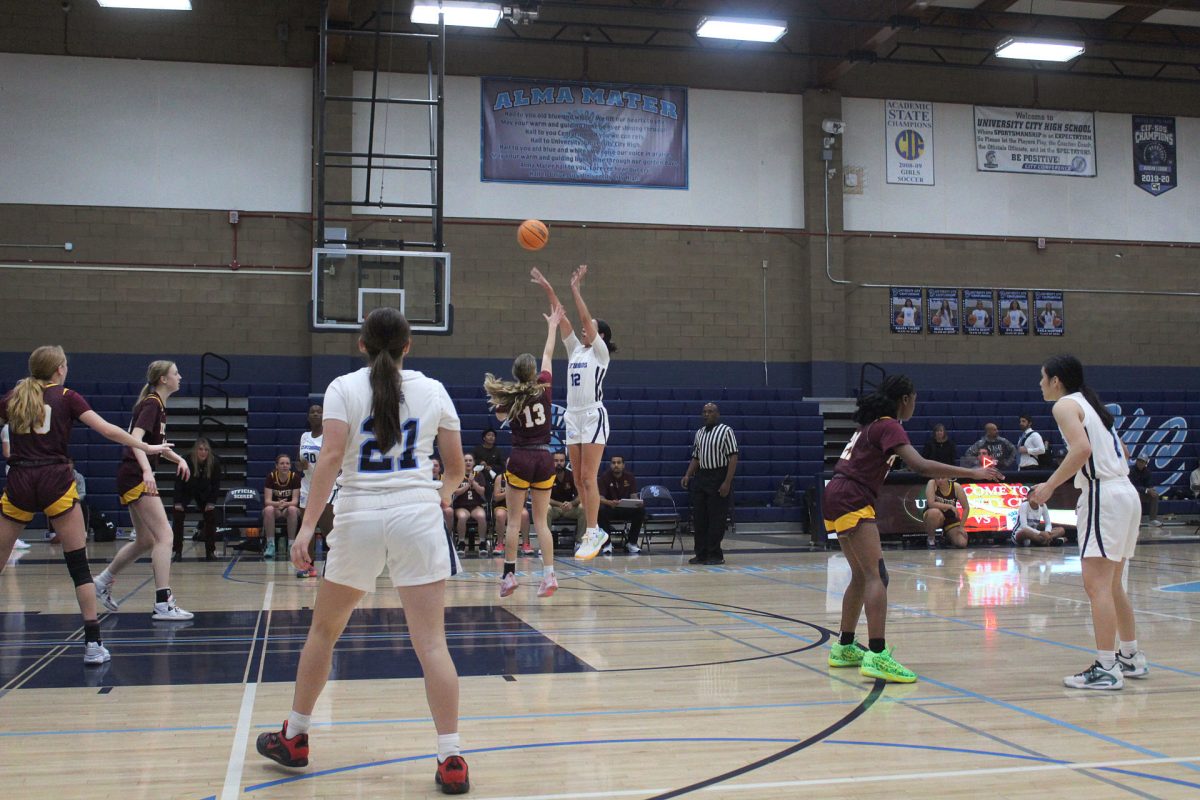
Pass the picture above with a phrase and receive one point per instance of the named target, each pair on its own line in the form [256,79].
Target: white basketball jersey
[585,373]
[310,448]
[426,408]
[1016,319]
[979,318]
[910,315]
[1108,458]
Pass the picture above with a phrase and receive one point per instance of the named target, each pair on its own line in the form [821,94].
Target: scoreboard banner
[908,131]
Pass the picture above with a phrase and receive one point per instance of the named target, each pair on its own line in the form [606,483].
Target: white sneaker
[607,549]
[1156,523]
[632,549]
[104,595]
[170,612]
[508,584]
[20,544]
[593,541]
[95,653]
[1134,667]
[1096,677]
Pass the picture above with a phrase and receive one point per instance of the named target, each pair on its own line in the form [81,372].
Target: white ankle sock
[547,570]
[1128,649]
[297,724]
[448,746]
[104,577]
[1107,658]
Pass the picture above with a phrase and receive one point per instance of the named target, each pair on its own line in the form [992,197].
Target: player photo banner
[906,309]
[1154,154]
[942,311]
[584,133]
[1013,315]
[1048,313]
[1035,141]
[908,130]
[978,312]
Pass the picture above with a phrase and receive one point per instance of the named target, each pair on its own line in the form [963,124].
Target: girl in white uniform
[1016,317]
[1108,514]
[310,449]
[586,420]
[379,429]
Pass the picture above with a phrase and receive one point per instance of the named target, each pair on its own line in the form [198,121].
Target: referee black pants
[709,510]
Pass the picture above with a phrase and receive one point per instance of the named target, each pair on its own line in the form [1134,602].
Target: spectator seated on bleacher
[1143,480]
[1034,527]
[488,454]
[202,488]
[500,518]
[470,499]
[281,502]
[564,497]
[939,447]
[993,444]
[618,484]
[447,509]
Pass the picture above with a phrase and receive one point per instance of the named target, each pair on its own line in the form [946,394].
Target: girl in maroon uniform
[525,403]
[138,490]
[848,508]
[40,412]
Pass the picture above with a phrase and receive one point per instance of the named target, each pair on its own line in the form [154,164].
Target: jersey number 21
[372,459]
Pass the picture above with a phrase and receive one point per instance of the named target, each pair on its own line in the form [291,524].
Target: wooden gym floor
[643,677]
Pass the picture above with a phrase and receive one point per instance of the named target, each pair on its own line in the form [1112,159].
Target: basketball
[532,234]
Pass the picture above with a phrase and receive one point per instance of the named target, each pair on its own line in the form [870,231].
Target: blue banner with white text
[584,133]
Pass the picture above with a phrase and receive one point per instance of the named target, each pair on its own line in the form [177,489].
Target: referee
[714,460]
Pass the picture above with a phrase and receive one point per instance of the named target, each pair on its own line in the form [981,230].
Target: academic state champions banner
[1154,167]
[1035,141]
[908,130]
[584,133]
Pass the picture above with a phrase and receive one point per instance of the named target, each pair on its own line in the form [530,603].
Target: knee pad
[883,573]
[77,565]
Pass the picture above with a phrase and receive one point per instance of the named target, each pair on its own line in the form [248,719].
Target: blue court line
[1187,586]
[1004,704]
[694,740]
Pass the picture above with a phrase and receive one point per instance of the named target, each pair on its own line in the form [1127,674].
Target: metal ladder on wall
[379,27]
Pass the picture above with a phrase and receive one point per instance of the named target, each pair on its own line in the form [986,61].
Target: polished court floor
[642,678]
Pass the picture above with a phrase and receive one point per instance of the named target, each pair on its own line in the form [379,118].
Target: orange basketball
[532,234]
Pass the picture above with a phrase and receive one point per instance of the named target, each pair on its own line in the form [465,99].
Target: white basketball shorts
[1108,515]
[589,426]
[404,530]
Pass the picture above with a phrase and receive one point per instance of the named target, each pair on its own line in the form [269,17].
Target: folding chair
[240,508]
[661,515]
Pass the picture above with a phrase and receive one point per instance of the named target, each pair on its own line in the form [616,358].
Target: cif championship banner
[906,309]
[1013,315]
[1154,167]
[978,312]
[942,311]
[584,133]
[1048,313]
[1035,141]
[908,129]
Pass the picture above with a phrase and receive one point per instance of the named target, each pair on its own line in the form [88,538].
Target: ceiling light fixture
[1039,49]
[148,5]
[742,29]
[462,14]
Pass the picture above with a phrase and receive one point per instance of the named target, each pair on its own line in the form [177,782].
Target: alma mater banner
[584,133]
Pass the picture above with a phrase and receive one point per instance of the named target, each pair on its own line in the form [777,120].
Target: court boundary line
[237,752]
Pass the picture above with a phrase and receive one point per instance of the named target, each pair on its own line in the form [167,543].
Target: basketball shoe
[508,584]
[104,595]
[1096,677]
[1134,666]
[548,586]
[279,748]
[882,665]
[170,612]
[593,541]
[846,655]
[95,653]
[452,775]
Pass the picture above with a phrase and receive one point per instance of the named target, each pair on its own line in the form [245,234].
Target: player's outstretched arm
[552,321]
[586,323]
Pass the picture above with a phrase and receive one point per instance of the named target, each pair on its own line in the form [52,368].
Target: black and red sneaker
[452,775]
[279,748]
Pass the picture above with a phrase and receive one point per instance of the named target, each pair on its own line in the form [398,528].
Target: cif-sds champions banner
[1154,167]
[1035,141]
[584,133]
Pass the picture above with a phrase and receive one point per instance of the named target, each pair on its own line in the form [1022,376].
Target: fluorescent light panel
[744,30]
[149,5]
[462,14]
[1039,49]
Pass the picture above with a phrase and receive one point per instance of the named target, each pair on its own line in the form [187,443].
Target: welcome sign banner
[598,134]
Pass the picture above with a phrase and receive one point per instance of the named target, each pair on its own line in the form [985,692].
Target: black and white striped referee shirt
[713,448]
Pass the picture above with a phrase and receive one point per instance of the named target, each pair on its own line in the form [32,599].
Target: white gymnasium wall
[111,132]
[965,201]
[744,163]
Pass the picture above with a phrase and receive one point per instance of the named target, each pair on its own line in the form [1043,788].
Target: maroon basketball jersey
[532,425]
[50,439]
[868,456]
[151,416]
[284,489]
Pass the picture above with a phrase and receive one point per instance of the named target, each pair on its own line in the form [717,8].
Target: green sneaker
[846,655]
[882,665]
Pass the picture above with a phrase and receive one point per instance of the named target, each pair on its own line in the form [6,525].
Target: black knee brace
[77,565]
[883,576]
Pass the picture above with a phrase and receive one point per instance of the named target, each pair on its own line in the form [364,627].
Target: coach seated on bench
[615,485]
[564,497]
